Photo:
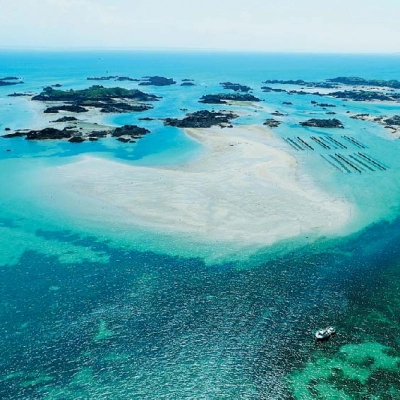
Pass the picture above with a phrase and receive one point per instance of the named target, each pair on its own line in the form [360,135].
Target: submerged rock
[324,105]
[278,114]
[272,123]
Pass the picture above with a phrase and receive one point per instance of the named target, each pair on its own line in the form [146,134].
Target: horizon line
[186,50]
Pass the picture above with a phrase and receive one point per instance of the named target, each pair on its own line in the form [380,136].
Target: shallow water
[90,312]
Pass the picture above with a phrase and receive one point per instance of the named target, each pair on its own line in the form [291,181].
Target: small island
[76,134]
[156,81]
[236,87]
[366,95]
[300,82]
[224,98]
[391,123]
[10,81]
[323,123]
[355,81]
[114,78]
[272,123]
[203,119]
[108,100]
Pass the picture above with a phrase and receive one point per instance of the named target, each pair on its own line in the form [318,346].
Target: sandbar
[244,188]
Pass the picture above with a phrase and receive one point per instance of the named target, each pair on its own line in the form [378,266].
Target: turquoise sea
[94,312]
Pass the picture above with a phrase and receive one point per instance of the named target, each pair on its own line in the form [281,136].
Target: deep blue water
[85,318]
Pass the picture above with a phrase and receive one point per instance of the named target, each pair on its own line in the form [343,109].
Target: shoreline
[243,190]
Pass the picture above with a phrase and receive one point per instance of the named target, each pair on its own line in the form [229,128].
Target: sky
[330,26]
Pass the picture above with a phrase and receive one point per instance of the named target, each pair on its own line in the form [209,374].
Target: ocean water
[92,312]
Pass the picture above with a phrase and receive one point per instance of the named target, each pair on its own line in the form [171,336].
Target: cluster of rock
[15,94]
[10,81]
[272,123]
[268,89]
[323,105]
[203,119]
[108,100]
[113,78]
[66,119]
[395,120]
[224,98]
[355,81]
[355,95]
[156,81]
[365,95]
[146,81]
[323,123]
[128,133]
[300,82]
[235,87]
[125,134]
[336,82]
[392,123]
[43,134]
[73,108]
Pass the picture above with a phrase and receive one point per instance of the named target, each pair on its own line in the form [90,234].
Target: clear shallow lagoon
[91,312]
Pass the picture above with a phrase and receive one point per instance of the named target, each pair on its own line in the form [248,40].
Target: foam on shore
[243,190]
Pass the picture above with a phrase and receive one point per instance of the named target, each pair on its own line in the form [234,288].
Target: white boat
[325,334]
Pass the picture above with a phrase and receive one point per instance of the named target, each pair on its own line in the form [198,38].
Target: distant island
[323,123]
[107,100]
[10,81]
[355,81]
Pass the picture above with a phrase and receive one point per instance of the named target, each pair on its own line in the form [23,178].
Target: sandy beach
[242,189]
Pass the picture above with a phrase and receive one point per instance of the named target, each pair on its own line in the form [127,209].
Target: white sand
[242,189]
